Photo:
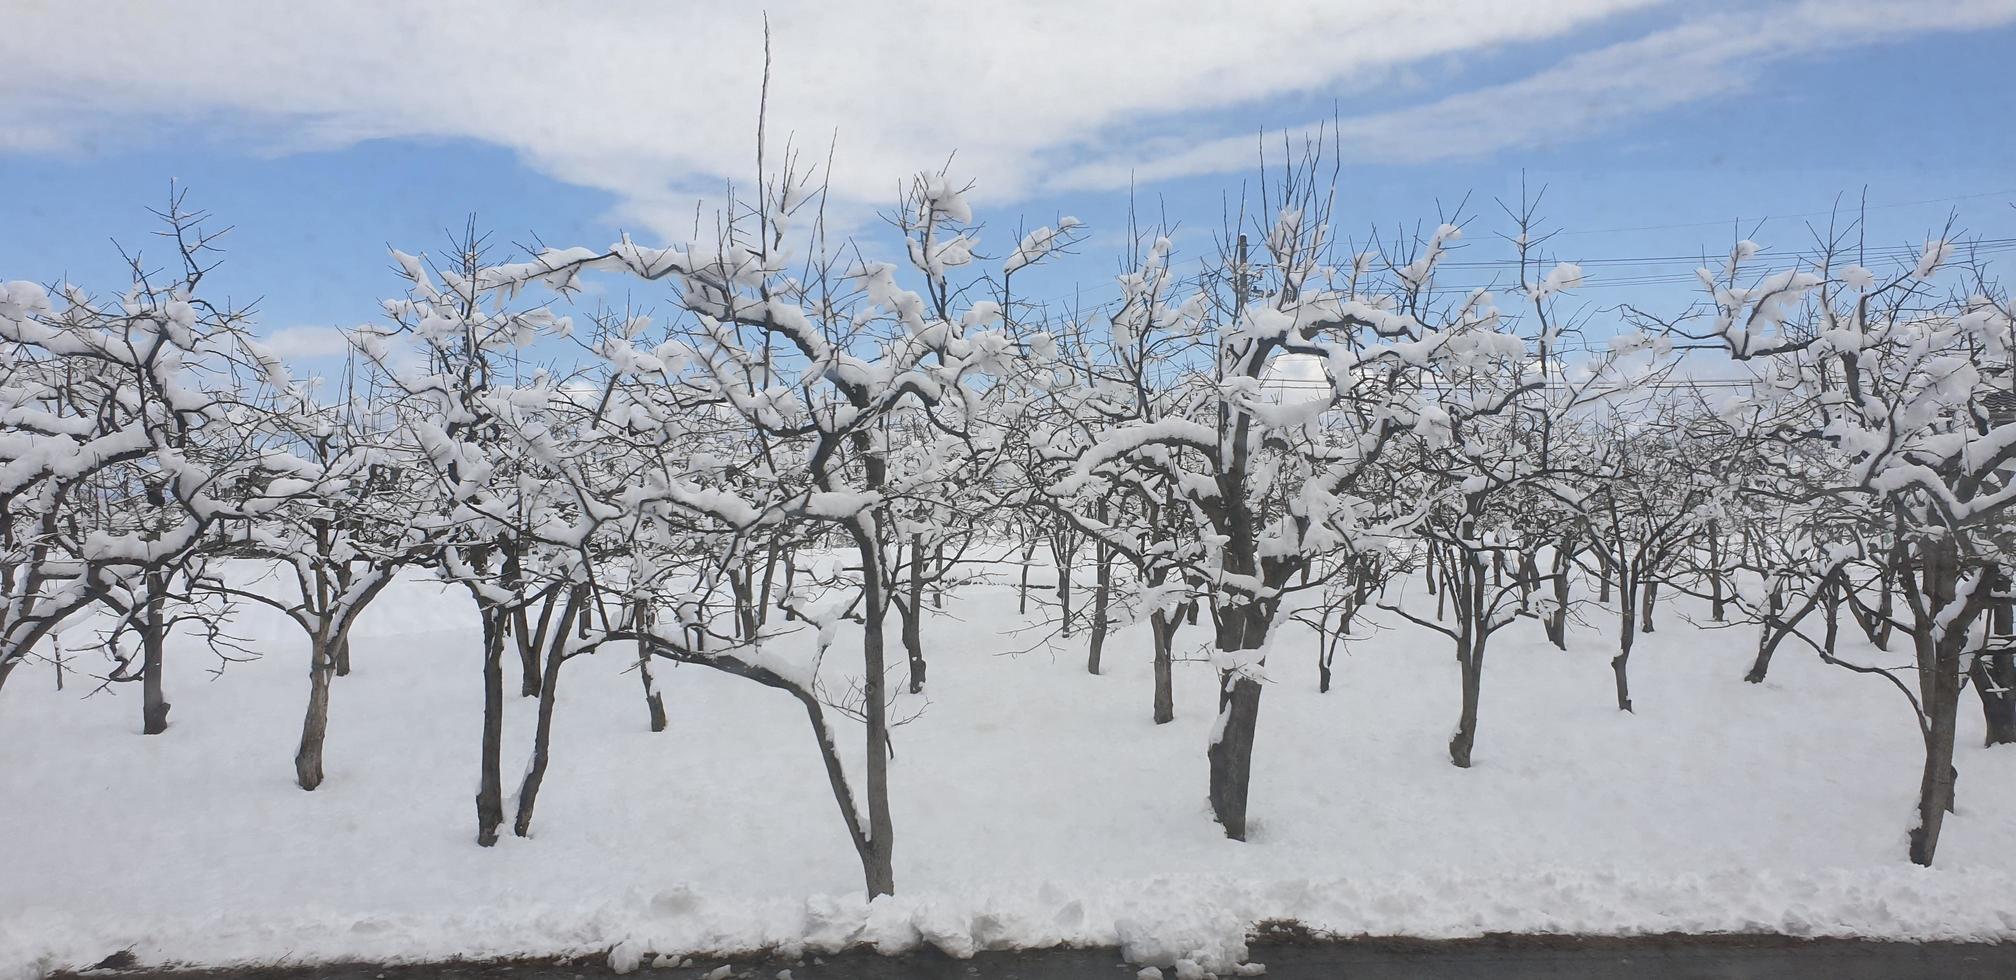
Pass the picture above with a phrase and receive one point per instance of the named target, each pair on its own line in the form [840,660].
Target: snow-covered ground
[1034,804]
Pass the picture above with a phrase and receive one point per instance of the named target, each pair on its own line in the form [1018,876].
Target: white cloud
[298,343]
[655,102]
[1711,56]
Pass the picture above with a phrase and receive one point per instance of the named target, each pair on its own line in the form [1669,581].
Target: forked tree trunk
[1767,641]
[874,863]
[745,601]
[525,636]
[1471,636]
[1465,740]
[528,662]
[542,732]
[1241,628]
[1163,629]
[1556,623]
[1875,623]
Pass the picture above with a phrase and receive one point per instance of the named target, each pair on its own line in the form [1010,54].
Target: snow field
[1034,804]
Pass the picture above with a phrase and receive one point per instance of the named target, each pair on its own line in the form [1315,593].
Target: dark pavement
[1505,958]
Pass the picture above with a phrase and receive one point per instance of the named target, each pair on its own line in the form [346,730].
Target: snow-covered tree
[1894,377]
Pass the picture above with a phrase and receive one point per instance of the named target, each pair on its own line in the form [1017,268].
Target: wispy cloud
[1716,55]
[656,102]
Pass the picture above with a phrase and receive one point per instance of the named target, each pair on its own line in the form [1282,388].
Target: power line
[1806,214]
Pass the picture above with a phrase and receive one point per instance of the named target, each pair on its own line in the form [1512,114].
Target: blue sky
[328,134]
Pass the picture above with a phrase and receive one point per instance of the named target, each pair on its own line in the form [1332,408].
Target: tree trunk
[542,732]
[315,725]
[1022,591]
[769,584]
[1832,603]
[1620,665]
[1715,600]
[1230,753]
[653,703]
[913,614]
[1164,631]
[1465,739]
[1886,606]
[1472,633]
[1994,673]
[877,864]
[938,562]
[528,639]
[1994,677]
[343,656]
[1877,626]
[1231,750]
[1102,592]
[1651,590]
[153,640]
[1448,582]
[1064,588]
[1325,645]
[1935,786]
[1767,642]
[490,785]
[1556,623]
[1938,658]
[542,742]
[745,602]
